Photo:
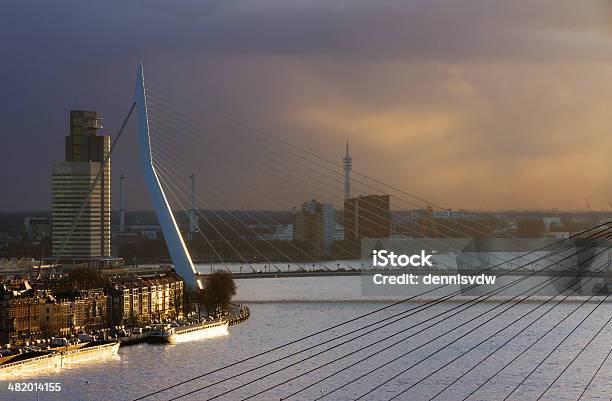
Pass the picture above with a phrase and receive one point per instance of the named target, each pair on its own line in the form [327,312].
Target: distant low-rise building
[149,231]
[314,224]
[338,232]
[37,228]
[367,217]
[272,232]
[447,214]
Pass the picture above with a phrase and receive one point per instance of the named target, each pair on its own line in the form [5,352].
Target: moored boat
[167,333]
[57,357]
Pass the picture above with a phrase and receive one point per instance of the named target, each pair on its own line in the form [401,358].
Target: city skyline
[508,98]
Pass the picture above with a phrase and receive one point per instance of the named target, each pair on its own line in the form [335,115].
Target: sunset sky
[473,104]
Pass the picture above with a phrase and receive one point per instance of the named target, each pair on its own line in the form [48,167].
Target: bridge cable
[547,332]
[510,362]
[555,348]
[576,356]
[603,362]
[479,364]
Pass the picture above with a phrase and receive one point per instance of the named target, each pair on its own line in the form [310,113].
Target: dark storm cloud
[405,29]
[471,75]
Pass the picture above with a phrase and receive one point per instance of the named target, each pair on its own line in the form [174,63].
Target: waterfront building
[137,301]
[74,312]
[367,217]
[19,312]
[54,317]
[314,224]
[72,180]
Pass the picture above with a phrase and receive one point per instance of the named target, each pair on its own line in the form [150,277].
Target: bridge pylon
[174,240]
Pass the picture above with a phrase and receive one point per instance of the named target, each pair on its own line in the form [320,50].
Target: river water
[284,309]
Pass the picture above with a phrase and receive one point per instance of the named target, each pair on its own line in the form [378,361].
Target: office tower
[314,224]
[347,163]
[367,217]
[71,183]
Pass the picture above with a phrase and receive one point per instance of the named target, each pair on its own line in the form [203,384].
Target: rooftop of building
[139,282]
